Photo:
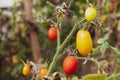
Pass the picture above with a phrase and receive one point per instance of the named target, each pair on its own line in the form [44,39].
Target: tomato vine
[84,45]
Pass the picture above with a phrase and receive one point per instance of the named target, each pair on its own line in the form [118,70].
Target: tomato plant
[43,72]
[90,13]
[52,33]
[26,70]
[70,65]
[84,42]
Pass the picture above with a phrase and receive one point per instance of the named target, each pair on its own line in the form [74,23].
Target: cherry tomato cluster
[84,45]
[26,70]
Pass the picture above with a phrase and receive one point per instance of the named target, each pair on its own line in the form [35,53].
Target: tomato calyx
[71,51]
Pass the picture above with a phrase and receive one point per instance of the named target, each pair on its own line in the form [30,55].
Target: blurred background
[21,38]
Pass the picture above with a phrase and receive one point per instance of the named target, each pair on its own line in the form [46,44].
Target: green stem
[113,76]
[70,35]
[13,14]
[87,1]
[53,62]
[59,49]
[50,4]
[70,3]
[58,33]
[58,38]
[91,59]
[81,58]
[116,64]
[95,61]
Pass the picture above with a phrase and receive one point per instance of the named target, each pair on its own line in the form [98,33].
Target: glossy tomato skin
[70,65]
[90,13]
[43,72]
[26,70]
[52,33]
[84,42]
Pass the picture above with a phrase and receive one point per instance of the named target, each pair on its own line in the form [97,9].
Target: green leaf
[103,47]
[94,51]
[101,40]
[17,69]
[94,77]
[74,78]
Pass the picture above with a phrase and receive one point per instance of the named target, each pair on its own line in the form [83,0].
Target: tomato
[43,72]
[15,59]
[84,42]
[26,70]
[90,13]
[103,18]
[52,33]
[111,8]
[70,65]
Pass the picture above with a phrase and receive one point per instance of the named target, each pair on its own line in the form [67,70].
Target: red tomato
[111,8]
[70,65]
[52,33]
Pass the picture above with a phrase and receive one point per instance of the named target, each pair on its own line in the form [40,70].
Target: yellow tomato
[15,59]
[90,13]
[103,18]
[43,72]
[26,70]
[84,42]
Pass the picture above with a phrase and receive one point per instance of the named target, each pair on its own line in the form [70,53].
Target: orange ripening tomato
[52,33]
[84,42]
[43,72]
[70,65]
[26,70]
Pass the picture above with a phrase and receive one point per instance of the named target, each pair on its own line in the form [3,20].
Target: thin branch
[33,35]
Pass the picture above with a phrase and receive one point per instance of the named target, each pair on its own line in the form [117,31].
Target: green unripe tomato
[90,13]
[94,77]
